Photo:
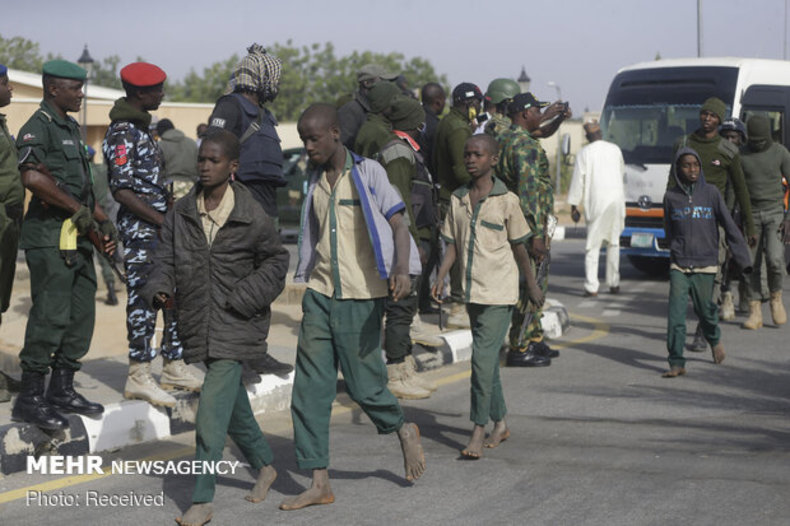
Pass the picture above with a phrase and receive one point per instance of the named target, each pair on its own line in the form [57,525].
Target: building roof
[26,78]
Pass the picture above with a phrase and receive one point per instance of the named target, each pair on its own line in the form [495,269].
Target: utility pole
[699,28]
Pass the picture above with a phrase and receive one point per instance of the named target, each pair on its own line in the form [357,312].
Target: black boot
[33,408]
[528,358]
[62,396]
[267,364]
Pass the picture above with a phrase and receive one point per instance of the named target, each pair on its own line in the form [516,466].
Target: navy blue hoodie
[692,213]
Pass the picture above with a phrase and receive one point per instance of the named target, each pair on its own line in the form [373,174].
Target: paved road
[598,438]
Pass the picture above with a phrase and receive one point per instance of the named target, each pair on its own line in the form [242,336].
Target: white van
[651,104]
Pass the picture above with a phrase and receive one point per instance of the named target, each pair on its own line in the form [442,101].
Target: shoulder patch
[28,137]
[728,149]
[217,122]
[396,151]
[120,155]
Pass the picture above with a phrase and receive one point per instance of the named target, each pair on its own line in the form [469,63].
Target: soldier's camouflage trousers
[533,331]
[140,318]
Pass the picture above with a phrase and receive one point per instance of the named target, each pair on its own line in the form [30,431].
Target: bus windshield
[646,111]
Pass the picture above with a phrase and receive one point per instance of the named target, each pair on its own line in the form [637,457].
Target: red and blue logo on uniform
[120,155]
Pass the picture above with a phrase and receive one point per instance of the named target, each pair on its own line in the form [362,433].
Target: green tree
[105,72]
[20,53]
[310,74]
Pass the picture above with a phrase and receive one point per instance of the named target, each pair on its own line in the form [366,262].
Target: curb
[132,422]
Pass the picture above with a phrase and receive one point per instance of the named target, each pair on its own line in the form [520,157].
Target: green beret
[407,114]
[64,69]
[715,106]
[381,94]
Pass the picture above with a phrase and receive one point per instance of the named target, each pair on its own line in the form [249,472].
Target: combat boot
[63,397]
[418,379]
[458,318]
[401,385]
[755,320]
[419,333]
[778,309]
[176,375]
[141,385]
[699,344]
[727,307]
[33,408]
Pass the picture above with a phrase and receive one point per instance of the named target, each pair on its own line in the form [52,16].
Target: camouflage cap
[64,69]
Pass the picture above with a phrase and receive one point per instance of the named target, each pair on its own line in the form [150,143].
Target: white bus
[651,104]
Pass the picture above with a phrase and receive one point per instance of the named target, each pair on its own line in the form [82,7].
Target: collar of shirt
[499,188]
[346,168]
[219,215]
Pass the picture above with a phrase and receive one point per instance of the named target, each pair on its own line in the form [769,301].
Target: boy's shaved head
[226,140]
[488,142]
[321,114]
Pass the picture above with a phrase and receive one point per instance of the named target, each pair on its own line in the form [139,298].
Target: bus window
[777,122]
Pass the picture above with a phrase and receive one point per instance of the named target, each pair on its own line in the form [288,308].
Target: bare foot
[197,515]
[265,479]
[498,435]
[413,455]
[319,493]
[474,449]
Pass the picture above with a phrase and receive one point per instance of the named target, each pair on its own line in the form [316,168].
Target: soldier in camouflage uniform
[137,181]
[524,168]
[500,94]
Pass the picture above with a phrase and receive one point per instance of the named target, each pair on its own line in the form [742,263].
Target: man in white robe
[597,185]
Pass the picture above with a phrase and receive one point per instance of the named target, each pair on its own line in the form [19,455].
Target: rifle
[93,236]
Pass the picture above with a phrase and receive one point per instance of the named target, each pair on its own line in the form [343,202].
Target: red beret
[142,74]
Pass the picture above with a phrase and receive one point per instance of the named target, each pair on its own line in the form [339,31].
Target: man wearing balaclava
[254,82]
[764,162]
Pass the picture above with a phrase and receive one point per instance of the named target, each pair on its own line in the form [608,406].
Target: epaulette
[727,148]
[46,115]
[395,151]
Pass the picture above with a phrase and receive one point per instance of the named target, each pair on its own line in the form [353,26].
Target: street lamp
[86,61]
[558,161]
[523,80]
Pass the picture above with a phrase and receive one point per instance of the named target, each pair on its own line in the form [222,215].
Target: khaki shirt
[345,266]
[215,219]
[483,236]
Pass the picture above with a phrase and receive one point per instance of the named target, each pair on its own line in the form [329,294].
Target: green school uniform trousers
[345,333]
[224,409]
[489,328]
[700,287]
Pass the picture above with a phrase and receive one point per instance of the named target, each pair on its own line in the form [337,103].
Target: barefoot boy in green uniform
[486,228]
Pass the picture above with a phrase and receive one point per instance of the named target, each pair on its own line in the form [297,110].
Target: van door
[772,102]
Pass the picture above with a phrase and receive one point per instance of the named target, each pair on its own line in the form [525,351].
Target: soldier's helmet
[502,89]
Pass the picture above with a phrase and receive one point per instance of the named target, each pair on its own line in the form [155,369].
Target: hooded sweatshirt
[764,162]
[180,153]
[692,214]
